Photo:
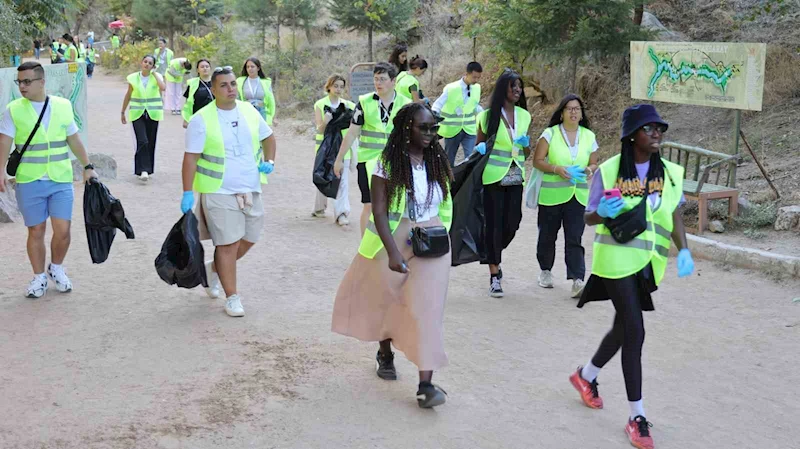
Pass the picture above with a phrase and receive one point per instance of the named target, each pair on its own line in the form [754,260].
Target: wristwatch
[89,167]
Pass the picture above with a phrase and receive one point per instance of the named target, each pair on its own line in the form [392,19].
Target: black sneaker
[385,366]
[430,395]
[495,288]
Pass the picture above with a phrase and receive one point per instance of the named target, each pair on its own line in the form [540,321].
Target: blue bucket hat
[637,116]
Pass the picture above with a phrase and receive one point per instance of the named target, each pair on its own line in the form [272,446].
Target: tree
[386,16]
[638,13]
[170,16]
[261,14]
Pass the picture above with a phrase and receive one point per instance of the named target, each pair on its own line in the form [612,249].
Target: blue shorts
[38,200]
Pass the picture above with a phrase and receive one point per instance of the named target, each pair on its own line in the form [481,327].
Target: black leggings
[627,333]
[146,130]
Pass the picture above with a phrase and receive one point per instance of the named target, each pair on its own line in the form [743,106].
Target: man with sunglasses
[44,175]
[230,150]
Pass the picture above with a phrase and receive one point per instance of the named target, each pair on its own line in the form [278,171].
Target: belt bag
[627,226]
[15,158]
[433,241]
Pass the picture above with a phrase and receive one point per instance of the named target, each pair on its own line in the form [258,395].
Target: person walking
[399,57]
[198,91]
[91,60]
[230,150]
[43,127]
[567,156]
[115,44]
[373,121]
[71,52]
[178,67]
[163,57]
[37,48]
[458,106]
[506,121]
[256,89]
[81,49]
[335,88]
[146,110]
[628,272]
[407,83]
[388,293]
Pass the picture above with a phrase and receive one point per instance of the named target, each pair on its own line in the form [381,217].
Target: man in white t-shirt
[228,179]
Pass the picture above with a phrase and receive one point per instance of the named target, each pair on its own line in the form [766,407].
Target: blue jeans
[463,139]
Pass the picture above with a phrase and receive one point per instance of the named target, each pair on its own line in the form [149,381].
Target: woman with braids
[506,121]
[388,294]
[627,273]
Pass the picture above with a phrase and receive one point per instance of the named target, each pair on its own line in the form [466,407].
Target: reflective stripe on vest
[48,152]
[614,260]
[454,122]
[211,165]
[145,98]
[320,105]
[555,190]
[374,134]
[502,154]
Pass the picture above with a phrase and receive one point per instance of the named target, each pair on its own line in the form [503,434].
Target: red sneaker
[638,431]
[588,390]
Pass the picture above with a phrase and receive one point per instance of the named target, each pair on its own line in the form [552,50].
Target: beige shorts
[227,223]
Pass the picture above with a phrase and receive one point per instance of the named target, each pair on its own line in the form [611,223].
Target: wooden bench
[705,181]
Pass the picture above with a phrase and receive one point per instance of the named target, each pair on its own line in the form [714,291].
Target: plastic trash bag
[323,177]
[182,258]
[103,215]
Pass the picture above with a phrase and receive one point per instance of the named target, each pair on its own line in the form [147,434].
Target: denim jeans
[462,139]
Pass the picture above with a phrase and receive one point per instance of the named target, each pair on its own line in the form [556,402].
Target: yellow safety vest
[613,260]
[72,53]
[145,98]
[90,54]
[156,54]
[455,121]
[114,42]
[320,105]
[403,83]
[175,65]
[81,53]
[371,242]
[505,151]
[555,189]
[211,165]
[188,106]
[48,152]
[269,97]
[374,133]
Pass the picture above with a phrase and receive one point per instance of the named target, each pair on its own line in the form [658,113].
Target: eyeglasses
[648,129]
[25,82]
[428,129]
[220,69]
[573,110]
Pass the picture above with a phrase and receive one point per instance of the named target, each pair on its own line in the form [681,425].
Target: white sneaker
[343,220]
[144,177]
[577,288]
[233,307]
[37,287]
[214,285]
[546,279]
[58,276]
[318,214]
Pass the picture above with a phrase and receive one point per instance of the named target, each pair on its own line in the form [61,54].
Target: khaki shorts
[228,224]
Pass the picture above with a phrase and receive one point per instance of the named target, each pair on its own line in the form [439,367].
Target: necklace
[416,163]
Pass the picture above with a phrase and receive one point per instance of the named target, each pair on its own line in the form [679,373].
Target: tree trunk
[475,48]
[278,33]
[573,73]
[263,37]
[369,44]
[638,13]
[294,41]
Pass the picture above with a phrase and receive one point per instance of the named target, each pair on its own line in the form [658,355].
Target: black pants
[627,333]
[503,211]
[146,130]
[550,220]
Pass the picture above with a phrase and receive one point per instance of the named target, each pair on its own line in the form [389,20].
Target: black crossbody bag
[430,242]
[15,158]
[627,226]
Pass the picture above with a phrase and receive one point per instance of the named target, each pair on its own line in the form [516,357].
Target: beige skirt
[375,303]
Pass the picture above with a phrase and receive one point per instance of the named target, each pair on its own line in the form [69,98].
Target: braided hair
[499,100]
[628,181]
[397,164]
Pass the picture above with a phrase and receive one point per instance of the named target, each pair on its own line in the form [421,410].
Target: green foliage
[170,16]
[130,55]
[201,47]
[10,37]
[384,16]
[769,7]
[758,216]
[221,47]
[39,14]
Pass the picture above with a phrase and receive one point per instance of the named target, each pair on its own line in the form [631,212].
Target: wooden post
[737,126]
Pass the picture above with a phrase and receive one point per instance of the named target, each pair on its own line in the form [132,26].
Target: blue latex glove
[610,208]
[685,263]
[265,167]
[523,141]
[187,201]
[481,148]
[576,173]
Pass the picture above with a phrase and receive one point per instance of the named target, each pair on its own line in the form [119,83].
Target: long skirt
[375,303]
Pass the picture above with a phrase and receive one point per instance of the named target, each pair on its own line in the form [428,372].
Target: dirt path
[126,361]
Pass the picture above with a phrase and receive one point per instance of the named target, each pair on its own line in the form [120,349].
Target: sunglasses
[25,82]
[428,129]
[219,69]
[648,129]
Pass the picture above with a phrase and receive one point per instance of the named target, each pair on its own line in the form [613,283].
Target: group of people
[71,49]
[395,289]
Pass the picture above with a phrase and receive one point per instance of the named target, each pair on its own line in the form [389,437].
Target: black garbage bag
[469,223]
[323,177]
[103,215]
[182,258]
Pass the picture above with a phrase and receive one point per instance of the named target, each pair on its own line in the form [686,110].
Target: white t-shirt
[241,171]
[573,149]
[420,193]
[144,79]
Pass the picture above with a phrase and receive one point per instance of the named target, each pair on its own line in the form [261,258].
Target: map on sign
[361,80]
[725,75]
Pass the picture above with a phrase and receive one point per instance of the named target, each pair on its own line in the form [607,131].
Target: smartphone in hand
[612,193]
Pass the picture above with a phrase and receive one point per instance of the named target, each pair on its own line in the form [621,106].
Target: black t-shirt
[202,96]
[37,44]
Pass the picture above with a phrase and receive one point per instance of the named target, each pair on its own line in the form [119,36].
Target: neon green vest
[72,53]
[269,97]
[175,70]
[114,42]
[403,83]
[211,165]
[81,54]
[188,106]
[158,67]
[48,152]
[613,260]
[555,189]
[145,98]
[90,54]
[454,122]
[320,105]
[504,151]
[371,243]
[374,134]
